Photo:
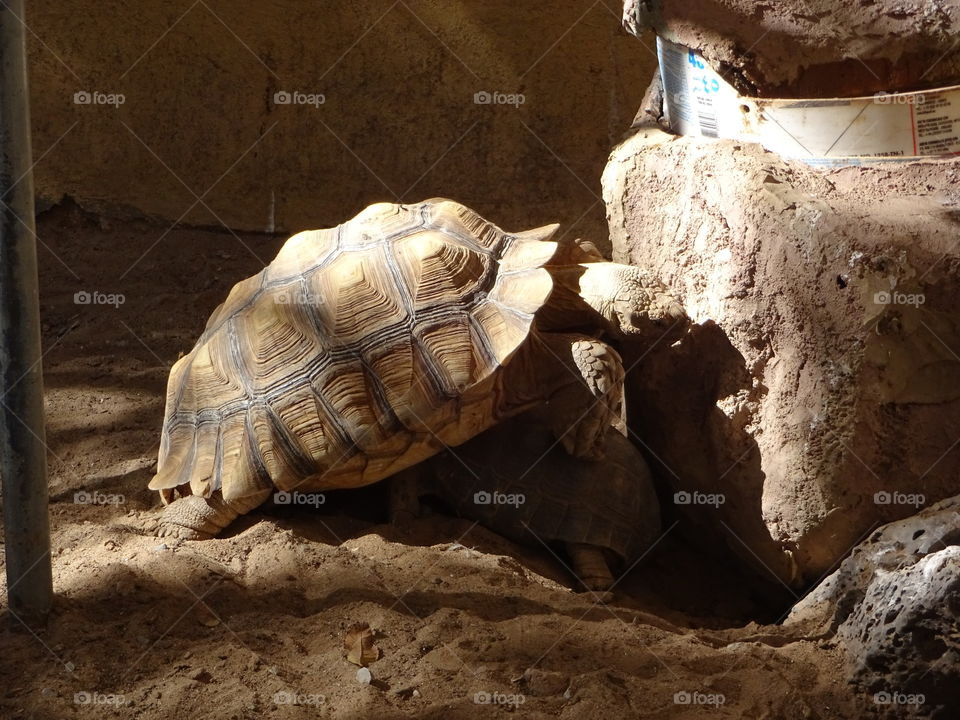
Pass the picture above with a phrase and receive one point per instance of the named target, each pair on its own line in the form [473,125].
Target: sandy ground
[251,625]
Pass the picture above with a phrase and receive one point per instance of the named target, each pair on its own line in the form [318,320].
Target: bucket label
[825,131]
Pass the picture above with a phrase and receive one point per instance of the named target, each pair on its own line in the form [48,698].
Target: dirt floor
[251,625]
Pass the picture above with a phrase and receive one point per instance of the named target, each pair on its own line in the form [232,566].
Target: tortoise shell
[359,351]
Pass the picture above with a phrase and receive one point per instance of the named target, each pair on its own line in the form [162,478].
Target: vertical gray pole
[23,463]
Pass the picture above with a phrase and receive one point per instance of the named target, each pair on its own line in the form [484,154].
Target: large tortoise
[364,349]
[515,480]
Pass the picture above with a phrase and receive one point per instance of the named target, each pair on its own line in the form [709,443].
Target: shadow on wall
[280,116]
[684,384]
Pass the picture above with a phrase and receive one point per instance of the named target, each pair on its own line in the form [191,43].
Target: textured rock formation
[816,48]
[895,605]
[821,394]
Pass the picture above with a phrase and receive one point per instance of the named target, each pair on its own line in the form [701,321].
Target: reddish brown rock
[821,393]
[816,48]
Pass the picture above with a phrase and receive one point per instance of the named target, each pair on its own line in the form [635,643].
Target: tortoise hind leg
[196,518]
[590,566]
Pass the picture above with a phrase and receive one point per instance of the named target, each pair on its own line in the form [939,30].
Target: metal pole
[23,463]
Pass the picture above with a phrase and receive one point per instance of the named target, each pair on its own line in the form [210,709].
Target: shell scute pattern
[358,351]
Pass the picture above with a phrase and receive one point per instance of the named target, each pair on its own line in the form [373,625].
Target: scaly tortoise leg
[590,396]
[590,566]
[196,518]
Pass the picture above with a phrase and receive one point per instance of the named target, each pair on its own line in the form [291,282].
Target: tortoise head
[634,302]
[645,310]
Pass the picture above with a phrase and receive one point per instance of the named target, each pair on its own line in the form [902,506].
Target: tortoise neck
[582,297]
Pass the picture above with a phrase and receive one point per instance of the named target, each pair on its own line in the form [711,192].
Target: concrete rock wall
[399,120]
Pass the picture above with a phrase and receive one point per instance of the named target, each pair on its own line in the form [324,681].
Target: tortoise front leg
[195,518]
[589,394]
